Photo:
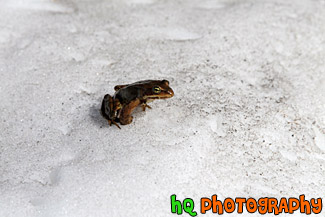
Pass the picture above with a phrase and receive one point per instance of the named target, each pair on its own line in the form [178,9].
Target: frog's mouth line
[163,95]
[159,97]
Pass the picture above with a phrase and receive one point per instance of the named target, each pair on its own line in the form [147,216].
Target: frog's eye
[156,89]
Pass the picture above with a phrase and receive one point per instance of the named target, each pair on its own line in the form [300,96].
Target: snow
[319,139]
[247,118]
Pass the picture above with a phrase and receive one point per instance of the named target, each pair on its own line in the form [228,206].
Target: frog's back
[127,94]
[144,83]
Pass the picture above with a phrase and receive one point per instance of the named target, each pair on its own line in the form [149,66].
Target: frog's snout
[170,92]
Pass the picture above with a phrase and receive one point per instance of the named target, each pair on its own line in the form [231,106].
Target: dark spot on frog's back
[128,94]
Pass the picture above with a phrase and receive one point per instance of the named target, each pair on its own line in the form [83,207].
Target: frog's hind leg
[107,109]
[126,111]
[107,105]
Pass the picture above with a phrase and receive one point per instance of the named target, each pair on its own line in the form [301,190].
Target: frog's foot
[144,106]
[110,122]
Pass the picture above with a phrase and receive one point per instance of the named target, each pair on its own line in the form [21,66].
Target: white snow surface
[247,118]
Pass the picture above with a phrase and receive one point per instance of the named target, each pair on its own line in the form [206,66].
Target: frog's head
[158,90]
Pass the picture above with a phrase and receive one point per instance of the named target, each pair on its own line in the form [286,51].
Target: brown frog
[118,108]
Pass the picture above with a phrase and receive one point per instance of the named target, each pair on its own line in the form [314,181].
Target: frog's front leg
[145,105]
[125,114]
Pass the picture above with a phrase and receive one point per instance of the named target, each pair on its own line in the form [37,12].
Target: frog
[119,107]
